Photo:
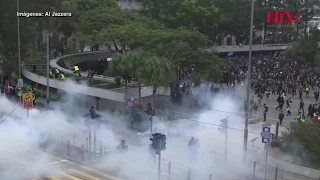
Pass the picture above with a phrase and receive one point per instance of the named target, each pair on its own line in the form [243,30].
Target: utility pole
[226,145]
[224,130]
[18,29]
[48,61]
[159,161]
[245,143]
[150,125]
[94,138]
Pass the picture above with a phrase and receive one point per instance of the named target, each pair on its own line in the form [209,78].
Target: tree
[121,66]
[67,25]
[201,15]
[156,72]
[93,21]
[137,58]
[306,48]
[181,46]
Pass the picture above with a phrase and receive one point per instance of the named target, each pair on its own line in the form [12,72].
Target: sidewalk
[283,162]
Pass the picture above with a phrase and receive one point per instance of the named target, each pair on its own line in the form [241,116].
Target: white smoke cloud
[20,139]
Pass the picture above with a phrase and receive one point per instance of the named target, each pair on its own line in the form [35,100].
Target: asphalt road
[67,170]
[272,116]
[272,104]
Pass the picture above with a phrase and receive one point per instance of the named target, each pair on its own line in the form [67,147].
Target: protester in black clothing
[255,109]
[265,112]
[300,93]
[281,117]
[34,68]
[122,146]
[301,106]
[288,112]
[92,112]
[280,101]
[316,96]
[311,110]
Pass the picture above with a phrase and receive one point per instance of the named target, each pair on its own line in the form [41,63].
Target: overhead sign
[266,135]
[27,100]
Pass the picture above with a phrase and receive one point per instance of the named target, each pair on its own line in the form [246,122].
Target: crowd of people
[274,75]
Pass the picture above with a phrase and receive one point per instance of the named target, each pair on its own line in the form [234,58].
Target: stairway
[41,65]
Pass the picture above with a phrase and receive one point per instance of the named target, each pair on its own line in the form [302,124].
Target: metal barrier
[267,172]
[4,115]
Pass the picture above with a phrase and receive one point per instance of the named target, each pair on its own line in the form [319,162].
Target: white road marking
[64,160]
[56,162]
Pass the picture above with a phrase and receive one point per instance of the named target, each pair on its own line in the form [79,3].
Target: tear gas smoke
[21,137]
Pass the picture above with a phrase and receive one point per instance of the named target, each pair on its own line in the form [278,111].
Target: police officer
[302,118]
[33,98]
[75,69]
[62,77]
[56,72]
[50,74]
[299,117]
[122,147]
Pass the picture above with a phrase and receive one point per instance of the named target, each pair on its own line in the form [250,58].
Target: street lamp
[18,29]
[48,69]
[245,145]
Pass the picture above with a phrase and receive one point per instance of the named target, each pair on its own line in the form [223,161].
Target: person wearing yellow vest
[20,93]
[308,89]
[301,118]
[33,98]
[62,76]
[30,87]
[56,73]
[75,69]
[51,74]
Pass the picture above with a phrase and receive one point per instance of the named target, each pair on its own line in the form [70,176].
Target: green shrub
[40,93]
[14,76]
[302,141]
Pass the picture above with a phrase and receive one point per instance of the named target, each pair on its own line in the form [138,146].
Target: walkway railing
[76,88]
[261,171]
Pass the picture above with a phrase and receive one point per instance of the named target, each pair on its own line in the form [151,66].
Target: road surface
[66,170]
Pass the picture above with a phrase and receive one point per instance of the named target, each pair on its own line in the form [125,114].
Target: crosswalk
[79,172]
[174,170]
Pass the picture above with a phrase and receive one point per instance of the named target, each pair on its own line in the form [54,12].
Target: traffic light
[148,109]
[155,140]
[153,111]
[158,142]
[163,142]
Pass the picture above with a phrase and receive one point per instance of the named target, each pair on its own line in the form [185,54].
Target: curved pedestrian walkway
[69,85]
